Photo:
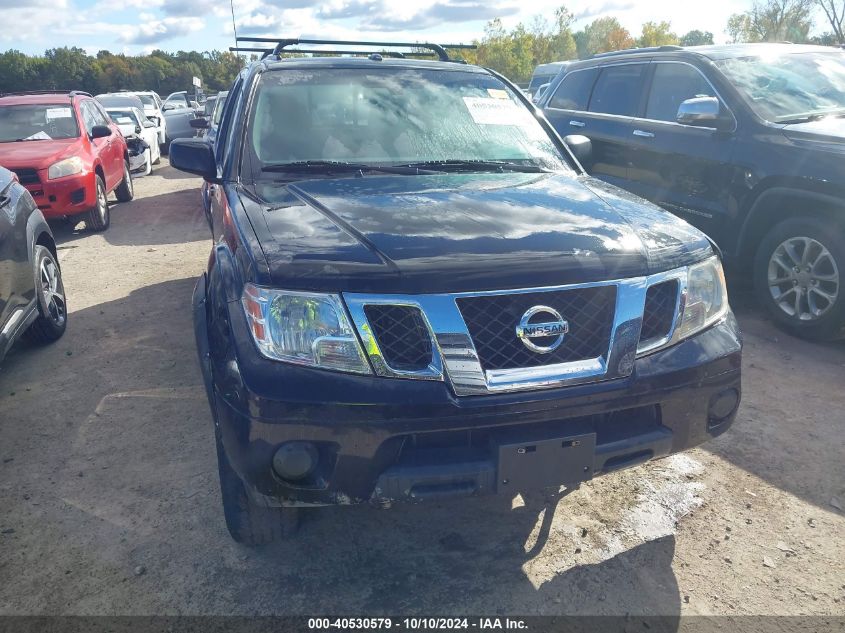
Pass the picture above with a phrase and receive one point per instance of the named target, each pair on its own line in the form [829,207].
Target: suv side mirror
[703,111]
[581,147]
[100,131]
[194,156]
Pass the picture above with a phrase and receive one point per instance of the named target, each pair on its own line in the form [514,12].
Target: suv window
[618,90]
[573,92]
[673,84]
[393,116]
[89,116]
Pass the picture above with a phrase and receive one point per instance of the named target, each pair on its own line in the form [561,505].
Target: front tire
[248,522]
[126,189]
[50,292]
[798,277]
[99,218]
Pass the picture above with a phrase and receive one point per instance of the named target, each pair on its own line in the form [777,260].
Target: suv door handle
[643,134]
[577,123]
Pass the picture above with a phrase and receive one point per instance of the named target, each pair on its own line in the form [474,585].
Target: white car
[133,122]
[153,111]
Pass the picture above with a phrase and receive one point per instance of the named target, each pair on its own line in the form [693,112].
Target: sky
[139,26]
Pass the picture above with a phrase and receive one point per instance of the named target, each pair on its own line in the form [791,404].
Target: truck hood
[461,232]
[36,154]
[830,131]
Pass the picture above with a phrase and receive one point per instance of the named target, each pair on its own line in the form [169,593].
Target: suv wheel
[249,523]
[125,190]
[798,276]
[99,217]
[52,305]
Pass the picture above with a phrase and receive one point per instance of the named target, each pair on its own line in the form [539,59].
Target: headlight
[66,167]
[707,298]
[303,328]
[706,302]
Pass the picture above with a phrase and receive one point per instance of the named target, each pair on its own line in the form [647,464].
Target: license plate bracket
[558,461]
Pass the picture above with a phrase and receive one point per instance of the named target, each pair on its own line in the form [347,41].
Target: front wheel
[125,190]
[50,292]
[798,272]
[248,522]
[99,217]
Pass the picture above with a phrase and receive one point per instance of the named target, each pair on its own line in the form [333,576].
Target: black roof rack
[70,93]
[631,51]
[320,51]
[281,44]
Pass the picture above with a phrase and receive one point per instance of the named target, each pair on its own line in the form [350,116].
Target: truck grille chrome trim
[456,360]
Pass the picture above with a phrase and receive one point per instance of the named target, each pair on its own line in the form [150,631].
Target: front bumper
[384,439]
[64,196]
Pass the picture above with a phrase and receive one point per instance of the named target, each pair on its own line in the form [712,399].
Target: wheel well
[772,207]
[45,240]
[99,171]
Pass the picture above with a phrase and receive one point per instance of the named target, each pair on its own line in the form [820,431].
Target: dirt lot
[109,500]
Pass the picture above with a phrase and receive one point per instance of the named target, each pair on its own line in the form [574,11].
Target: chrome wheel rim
[102,203]
[53,291]
[803,278]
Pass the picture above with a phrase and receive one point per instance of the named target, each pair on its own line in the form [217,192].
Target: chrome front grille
[492,319]
[402,336]
[470,339]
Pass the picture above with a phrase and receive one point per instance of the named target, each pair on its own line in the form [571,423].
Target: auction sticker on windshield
[495,111]
[58,113]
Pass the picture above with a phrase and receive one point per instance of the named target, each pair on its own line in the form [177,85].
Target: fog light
[295,460]
[722,405]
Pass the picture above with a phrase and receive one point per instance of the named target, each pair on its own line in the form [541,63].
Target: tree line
[514,53]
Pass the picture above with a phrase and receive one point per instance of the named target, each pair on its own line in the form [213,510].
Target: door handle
[577,123]
[643,134]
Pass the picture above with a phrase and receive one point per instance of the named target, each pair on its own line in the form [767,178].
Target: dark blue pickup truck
[416,292]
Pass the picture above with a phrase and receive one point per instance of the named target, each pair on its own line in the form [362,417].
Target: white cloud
[155,31]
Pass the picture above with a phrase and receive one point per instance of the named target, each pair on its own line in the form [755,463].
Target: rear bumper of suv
[379,439]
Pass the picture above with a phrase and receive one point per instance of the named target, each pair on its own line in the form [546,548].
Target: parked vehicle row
[127,110]
[746,142]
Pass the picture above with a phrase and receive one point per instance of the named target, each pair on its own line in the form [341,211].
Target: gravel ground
[109,500]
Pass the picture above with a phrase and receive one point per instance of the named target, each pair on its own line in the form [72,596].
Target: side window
[573,92]
[673,84]
[618,90]
[225,126]
[88,118]
[100,115]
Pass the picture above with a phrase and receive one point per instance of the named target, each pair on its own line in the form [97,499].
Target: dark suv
[415,292]
[747,142]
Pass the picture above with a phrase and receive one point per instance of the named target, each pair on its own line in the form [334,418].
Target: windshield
[391,116]
[790,87]
[123,117]
[37,122]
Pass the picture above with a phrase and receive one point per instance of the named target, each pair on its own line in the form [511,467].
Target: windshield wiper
[816,116]
[480,165]
[336,165]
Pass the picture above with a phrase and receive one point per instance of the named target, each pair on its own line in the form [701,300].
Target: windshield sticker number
[58,113]
[495,111]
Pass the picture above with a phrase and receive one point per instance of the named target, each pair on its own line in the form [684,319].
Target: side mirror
[137,129]
[581,147]
[200,123]
[193,156]
[703,111]
[100,131]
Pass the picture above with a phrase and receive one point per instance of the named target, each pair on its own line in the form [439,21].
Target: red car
[67,152]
